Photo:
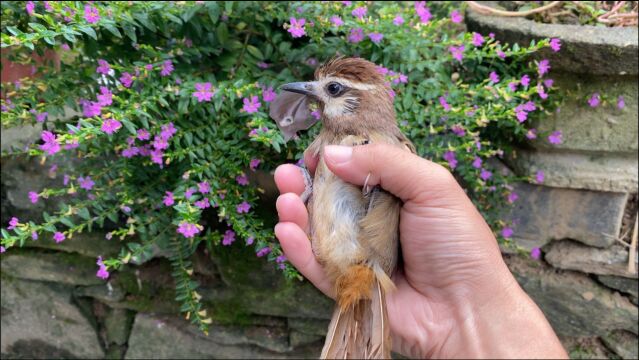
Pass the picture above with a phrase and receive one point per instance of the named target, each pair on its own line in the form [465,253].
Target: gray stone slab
[623,343]
[55,267]
[570,255]
[625,285]
[545,213]
[40,320]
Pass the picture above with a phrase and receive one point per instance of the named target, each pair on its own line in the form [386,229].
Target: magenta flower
[58,237]
[160,143]
[521,114]
[356,35]
[531,134]
[529,106]
[102,269]
[105,97]
[2,249]
[148,67]
[188,193]
[143,134]
[541,91]
[250,240]
[40,117]
[458,130]
[359,12]
[513,85]
[110,126]
[30,7]
[188,230]
[485,174]
[555,44]
[34,235]
[501,54]
[337,21]
[535,253]
[543,67]
[91,14]
[126,79]
[254,164]
[450,157]
[167,68]
[549,83]
[90,109]
[444,103]
[263,65]
[242,180]
[130,152]
[168,131]
[251,105]
[263,251]
[203,92]
[478,40]
[65,47]
[51,142]
[13,223]
[398,20]
[296,28]
[203,204]
[423,12]
[493,77]
[594,100]
[540,176]
[243,207]
[103,67]
[204,187]
[229,238]
[86,183]
[269,95]
[456,17]
[457,52]
[512,197]
[347,3]
[555,137]
[47,6]
[168,199]
[33,196]
[376,37]
[507,232]
[621,102]
[477,162]
[525,80]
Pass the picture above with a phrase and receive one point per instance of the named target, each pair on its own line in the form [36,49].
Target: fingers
[290,208]
[298,251]
[289,179]
[398,171]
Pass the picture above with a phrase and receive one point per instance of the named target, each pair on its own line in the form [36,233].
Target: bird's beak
[304,88]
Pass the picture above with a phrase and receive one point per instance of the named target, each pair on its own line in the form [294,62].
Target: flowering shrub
[166,105]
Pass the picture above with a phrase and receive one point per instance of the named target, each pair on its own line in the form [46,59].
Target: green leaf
[255,52]
[69,36]
[129,31]
[222,33]
[214,11]
[129,126]
[89,31]
[37,27]
[66,221]
[84,213]
[113,30]
[14,31]
[49,40]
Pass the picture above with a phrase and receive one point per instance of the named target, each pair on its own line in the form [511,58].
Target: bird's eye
[334,88]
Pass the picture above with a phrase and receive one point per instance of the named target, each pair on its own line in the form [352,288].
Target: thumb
[396,170]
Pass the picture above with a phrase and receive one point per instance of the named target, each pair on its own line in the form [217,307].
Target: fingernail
[338,154]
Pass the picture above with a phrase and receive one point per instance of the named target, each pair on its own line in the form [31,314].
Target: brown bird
[354,231]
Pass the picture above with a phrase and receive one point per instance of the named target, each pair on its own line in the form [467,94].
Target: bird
[354,230]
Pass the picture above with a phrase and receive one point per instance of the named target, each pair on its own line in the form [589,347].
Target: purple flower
[512,86]
[143,134]
[102,269]
[491,35]
[540,176]
[148,67]
[58,237]
[543,67]
[444,103]
[485,174]
[90,109]
[477,162]
[66,179]
[450,157]
[457,52]
[296,27]
[105,98]
[13,223]
[535,253]
[51,142]
[160,143]
[263,65]
[65,47]
[91,14]
[168,199]
[525,80]
[47,6]
[188,230]
[203,92]
[507,232]
[250,240]
[423,12]
[130,152]
[337,21]
[478,40]
[531,134]
[376,37]
[125,209]
[347,3]
[254,164]
[555,44]
[229,238]
[34,235]
[103,67]
[555,137]
[188,193]
[30,7]
[359,12]
[40,117]
[356,35]
[529,106]
[242,180]
[110,126]
[501,54]
[204,187]
[243,207]
[621,102]
[493,77]
[594,100]
[456,17]
[86,183]
[512,197]
[251,105]
[541,91]
[458,130]
[2,249]
[167,68]
[263,251]
[203,204]
[549,83]
[398,20]
[168,131]
[269,95]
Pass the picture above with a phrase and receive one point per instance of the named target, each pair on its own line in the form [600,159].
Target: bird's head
[351,93]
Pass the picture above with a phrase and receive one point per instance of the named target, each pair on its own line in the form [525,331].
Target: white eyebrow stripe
[348,83]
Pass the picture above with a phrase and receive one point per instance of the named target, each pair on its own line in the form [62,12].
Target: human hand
[455,296]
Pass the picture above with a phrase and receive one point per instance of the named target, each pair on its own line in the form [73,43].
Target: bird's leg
[308,185]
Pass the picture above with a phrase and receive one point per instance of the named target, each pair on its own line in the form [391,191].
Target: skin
[455,296]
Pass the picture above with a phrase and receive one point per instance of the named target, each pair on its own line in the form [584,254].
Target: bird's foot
[308,185]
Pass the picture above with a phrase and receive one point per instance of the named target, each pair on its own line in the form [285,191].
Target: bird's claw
[308,185]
